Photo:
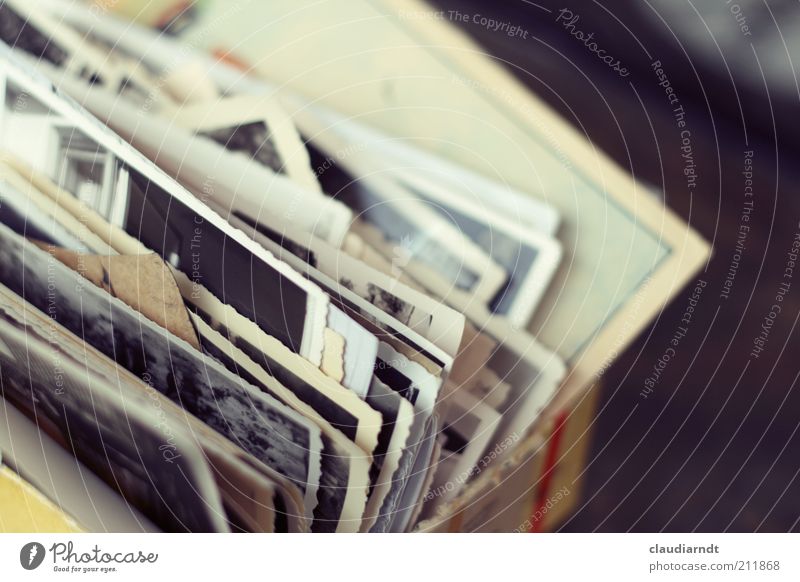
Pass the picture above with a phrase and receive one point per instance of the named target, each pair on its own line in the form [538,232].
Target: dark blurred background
[716,448]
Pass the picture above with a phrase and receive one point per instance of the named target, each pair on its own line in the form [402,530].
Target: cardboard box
[540,488]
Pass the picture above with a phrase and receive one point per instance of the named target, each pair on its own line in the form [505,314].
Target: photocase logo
[31,555]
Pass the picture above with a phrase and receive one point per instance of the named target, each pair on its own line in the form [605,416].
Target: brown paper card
[143,282]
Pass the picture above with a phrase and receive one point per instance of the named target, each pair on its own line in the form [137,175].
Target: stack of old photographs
[243,320]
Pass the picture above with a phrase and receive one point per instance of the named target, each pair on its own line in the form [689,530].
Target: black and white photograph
[283,440]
